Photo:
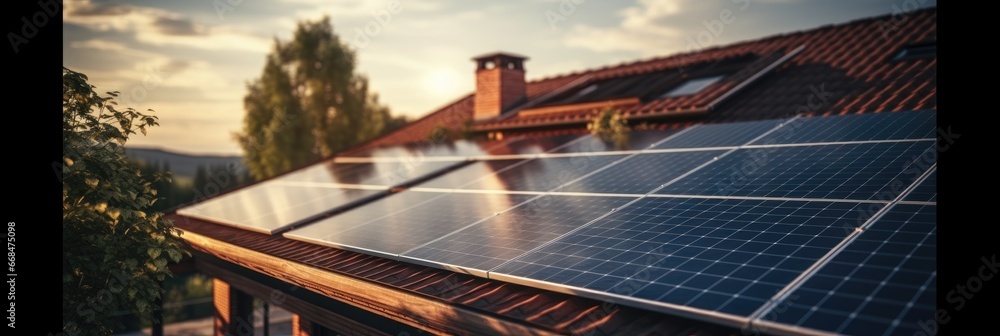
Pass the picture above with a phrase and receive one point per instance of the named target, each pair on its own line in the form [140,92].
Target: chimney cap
[499,54]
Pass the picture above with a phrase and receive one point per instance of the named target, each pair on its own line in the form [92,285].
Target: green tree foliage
[115,251]
[611,126]
[308,103]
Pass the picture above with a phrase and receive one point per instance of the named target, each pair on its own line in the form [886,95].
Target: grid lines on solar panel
[720,135]
[855,127]
[865,171]
[541,174]
[268,207]
[882,283]
[492,242]
[640,174]
[368,227]
[722,255]
[926,191]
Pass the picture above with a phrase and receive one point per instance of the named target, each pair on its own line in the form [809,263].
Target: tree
[308,103]
[115,251]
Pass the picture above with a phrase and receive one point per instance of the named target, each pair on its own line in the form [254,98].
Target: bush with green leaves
[611,126]
[115,251]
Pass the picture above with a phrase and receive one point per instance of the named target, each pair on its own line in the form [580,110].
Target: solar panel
[405,220]
[533,145]
[471,173]
[269,207]
[492,242]
[636,140]
[864,171]
[721,255]
[720,135]
[926,191]
[641,173]
[883,283]
[856,127]
[542,174]
[427,148]
[379,173]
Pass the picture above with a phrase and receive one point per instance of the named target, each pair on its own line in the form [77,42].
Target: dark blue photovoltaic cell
[720,135]
[883,283]
[533,175]
[856,127]
[405,220]
[369,173]
[926,191]
[518,230]
[267,207]
[641,173]
[852,171]
[716,254]
[636,140]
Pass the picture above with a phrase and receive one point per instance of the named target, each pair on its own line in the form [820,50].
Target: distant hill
[183,165]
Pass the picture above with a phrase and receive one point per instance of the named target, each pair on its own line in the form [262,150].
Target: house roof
[831,70]
[848,65]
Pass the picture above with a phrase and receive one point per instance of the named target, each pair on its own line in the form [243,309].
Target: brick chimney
[499,84]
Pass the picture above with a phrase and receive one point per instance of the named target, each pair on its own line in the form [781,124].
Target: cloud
[169,26]
[154,26]
[343,9]
[116,47]
[650,27]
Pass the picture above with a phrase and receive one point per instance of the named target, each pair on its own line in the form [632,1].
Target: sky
[190,60]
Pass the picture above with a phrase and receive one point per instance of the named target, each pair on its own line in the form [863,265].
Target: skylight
[692,86]
[586,90]
[915,51]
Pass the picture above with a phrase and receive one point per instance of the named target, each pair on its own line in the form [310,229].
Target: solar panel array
[718,222]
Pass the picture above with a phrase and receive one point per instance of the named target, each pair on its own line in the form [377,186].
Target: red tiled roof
[848,63]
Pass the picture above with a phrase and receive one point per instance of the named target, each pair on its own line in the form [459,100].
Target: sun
[442,82]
